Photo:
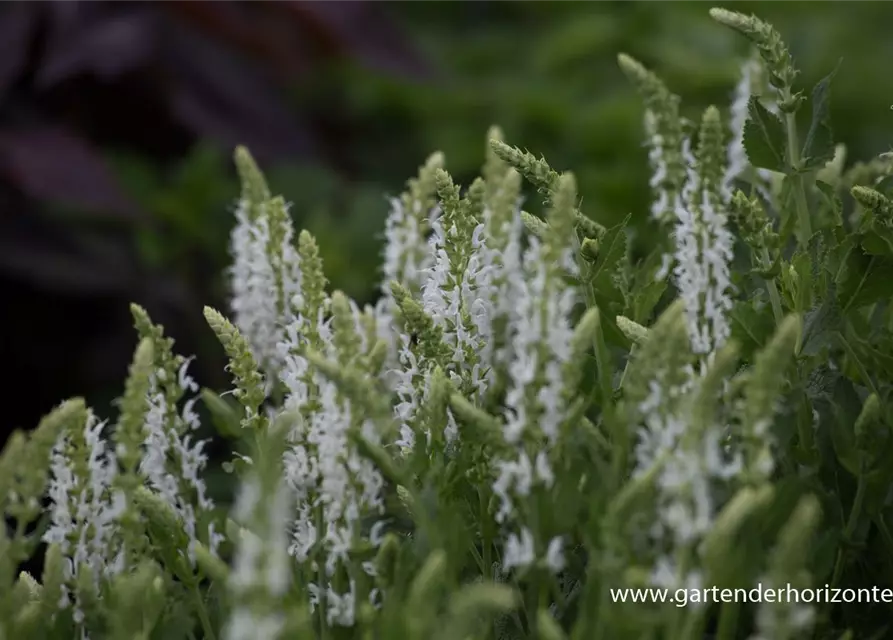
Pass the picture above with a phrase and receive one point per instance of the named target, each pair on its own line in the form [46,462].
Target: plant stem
[803,219]
[851,523]
[728,621]
[774,298]
[207,629]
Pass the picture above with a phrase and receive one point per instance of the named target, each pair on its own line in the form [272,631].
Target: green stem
[805,224]
[852,521]
[728,621]
[207,629]
[485,534]
[774,298]
[804,429]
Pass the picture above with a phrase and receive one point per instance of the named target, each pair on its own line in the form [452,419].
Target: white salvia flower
[752,83]
[448,296]
[172,462]
[536,401]
[703,254]
[694,466]
[737,157]
[333,485]
[261,563]
[85,506]
[519,551]
[655,144]
[464,290]
[264,281]
[555,555]
[406,255]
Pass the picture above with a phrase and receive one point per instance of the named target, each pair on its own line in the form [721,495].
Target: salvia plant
[534,416]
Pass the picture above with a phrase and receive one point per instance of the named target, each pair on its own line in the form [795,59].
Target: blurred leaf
[227,98]
[52,164]
[82,39]
[362,30]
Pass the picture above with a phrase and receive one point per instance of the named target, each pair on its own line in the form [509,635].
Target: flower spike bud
[663,127]
[129,432]
[536,170]
[778,59]
[534,225]
[495,168]
[633,331]
[254,187]
[449,194]
[561,215]
[875,202]
[249,382]
[712,153]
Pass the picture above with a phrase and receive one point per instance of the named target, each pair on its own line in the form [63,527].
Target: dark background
[117,121]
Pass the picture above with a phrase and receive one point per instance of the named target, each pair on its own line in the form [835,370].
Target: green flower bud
[875,202]
[212,566]
[481,426]
[376,454]
[313,283]
[31,586]
[169,538]
[495,168]
[386,560]
[428,582]
[711,154]
[589,249]
[418,323]
[664,128]
[346,339]
[588,227]
[536,171]
[633,331]
[254,187]
[534,225]
[129,434]
[561,217]
[767,40]
[249,382]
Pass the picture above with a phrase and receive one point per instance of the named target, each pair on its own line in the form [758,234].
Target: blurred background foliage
[117,121]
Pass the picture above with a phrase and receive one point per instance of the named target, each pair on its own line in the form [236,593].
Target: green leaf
[867,280]
[224,415]
[751,327]
[819,326]
[877,239]
[764,138]
[845,408]
[612,249]
[830,203]
[877,355]
[818,149]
